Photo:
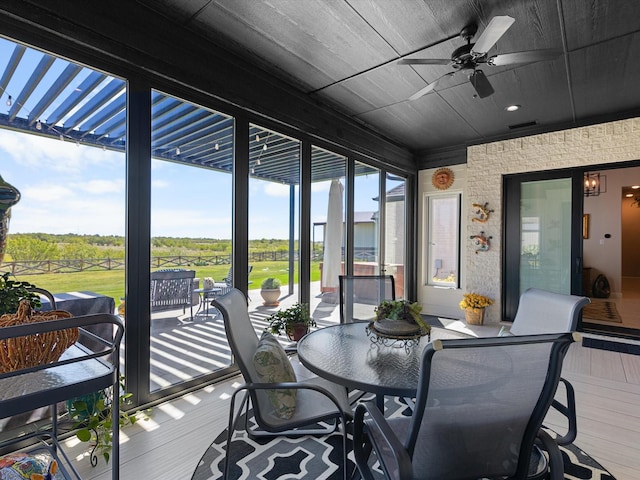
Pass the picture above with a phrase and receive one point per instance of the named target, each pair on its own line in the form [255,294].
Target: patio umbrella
[333,238]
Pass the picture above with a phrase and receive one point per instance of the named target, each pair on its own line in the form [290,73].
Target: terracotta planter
[296,331]
[270,297]
[474,316]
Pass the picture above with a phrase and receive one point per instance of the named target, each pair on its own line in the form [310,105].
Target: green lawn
[111,282]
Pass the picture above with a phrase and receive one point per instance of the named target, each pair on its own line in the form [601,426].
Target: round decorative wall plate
[442,178]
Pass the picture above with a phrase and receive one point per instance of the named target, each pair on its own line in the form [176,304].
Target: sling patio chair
[540,311]
[281,404]
[479,410]
[361,294]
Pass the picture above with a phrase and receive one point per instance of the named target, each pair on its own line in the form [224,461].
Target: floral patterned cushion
[272,366]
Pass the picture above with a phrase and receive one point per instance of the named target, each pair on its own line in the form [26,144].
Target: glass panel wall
[274,178]
[394,231]
[328,176]
[66,233]
[191,239]
[70,221]
[366,227]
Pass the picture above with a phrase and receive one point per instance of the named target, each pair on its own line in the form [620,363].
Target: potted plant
[400,316]
[12,291]
[92,419]
[473,305]
[294,321]
[270,292]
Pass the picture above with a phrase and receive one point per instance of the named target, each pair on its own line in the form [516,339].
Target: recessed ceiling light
[635,187]
[512,108]
[629,195]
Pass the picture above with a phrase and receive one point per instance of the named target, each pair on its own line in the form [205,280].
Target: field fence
[35,267]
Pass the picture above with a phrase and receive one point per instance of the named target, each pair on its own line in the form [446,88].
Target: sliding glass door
[542,235]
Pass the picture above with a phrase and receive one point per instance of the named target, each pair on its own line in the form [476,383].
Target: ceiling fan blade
[496,28]
[481,84]
[424,91]
[424,61]
[429,88]
[523,57]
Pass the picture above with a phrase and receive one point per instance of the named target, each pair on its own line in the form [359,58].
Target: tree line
[22,247]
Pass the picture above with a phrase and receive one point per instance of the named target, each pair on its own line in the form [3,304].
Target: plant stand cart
[90,365]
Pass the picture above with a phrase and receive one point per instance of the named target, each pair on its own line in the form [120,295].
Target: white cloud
[99,187]
[159,184]
[44,194]
[321,186]
[37,153]
[276,189]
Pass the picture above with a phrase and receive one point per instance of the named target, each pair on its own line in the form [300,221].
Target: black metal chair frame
[402,449]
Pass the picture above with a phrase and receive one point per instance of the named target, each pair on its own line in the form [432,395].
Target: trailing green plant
[402,310]
[270,283]
[12,291]
[93,423]
[282,320]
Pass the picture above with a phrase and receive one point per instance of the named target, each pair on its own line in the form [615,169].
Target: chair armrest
[556,465]
[384,441]
[569,411]
[345,417]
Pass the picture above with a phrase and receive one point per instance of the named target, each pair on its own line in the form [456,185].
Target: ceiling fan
[468,57]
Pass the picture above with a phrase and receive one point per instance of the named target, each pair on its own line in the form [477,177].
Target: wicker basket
[474,316]
[33,350]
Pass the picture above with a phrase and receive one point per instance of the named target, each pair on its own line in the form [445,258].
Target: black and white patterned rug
[321,457]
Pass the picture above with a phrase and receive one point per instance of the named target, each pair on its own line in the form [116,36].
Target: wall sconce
[591,184]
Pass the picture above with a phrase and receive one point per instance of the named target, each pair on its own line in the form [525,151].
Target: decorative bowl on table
[398,323]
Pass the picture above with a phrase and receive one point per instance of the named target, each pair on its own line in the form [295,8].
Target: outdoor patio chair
[172,288]
[361,294]
[227,282]
[270,392]
[540,311]
[479,410]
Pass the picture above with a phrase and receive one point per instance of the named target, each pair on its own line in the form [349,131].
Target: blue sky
[69,188]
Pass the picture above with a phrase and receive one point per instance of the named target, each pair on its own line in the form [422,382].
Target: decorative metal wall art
[481,242]
[483,212]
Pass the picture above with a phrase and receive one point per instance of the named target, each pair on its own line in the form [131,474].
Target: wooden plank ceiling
[344,53]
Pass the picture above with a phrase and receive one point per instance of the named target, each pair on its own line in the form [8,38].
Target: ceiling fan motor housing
[462,58]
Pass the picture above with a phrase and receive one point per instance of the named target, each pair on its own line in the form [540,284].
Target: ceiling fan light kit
[470,56]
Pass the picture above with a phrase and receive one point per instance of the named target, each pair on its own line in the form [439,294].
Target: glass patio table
[346,355]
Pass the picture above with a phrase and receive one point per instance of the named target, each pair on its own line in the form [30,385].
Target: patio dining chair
[361,294]
[281,404]
[479,409]
[540,311]
[227,282]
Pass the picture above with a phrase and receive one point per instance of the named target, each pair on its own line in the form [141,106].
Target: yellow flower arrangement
[475,300]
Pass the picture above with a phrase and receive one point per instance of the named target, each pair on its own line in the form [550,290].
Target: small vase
[474,316]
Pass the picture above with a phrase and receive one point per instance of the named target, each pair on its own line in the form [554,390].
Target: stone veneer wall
[486,164]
